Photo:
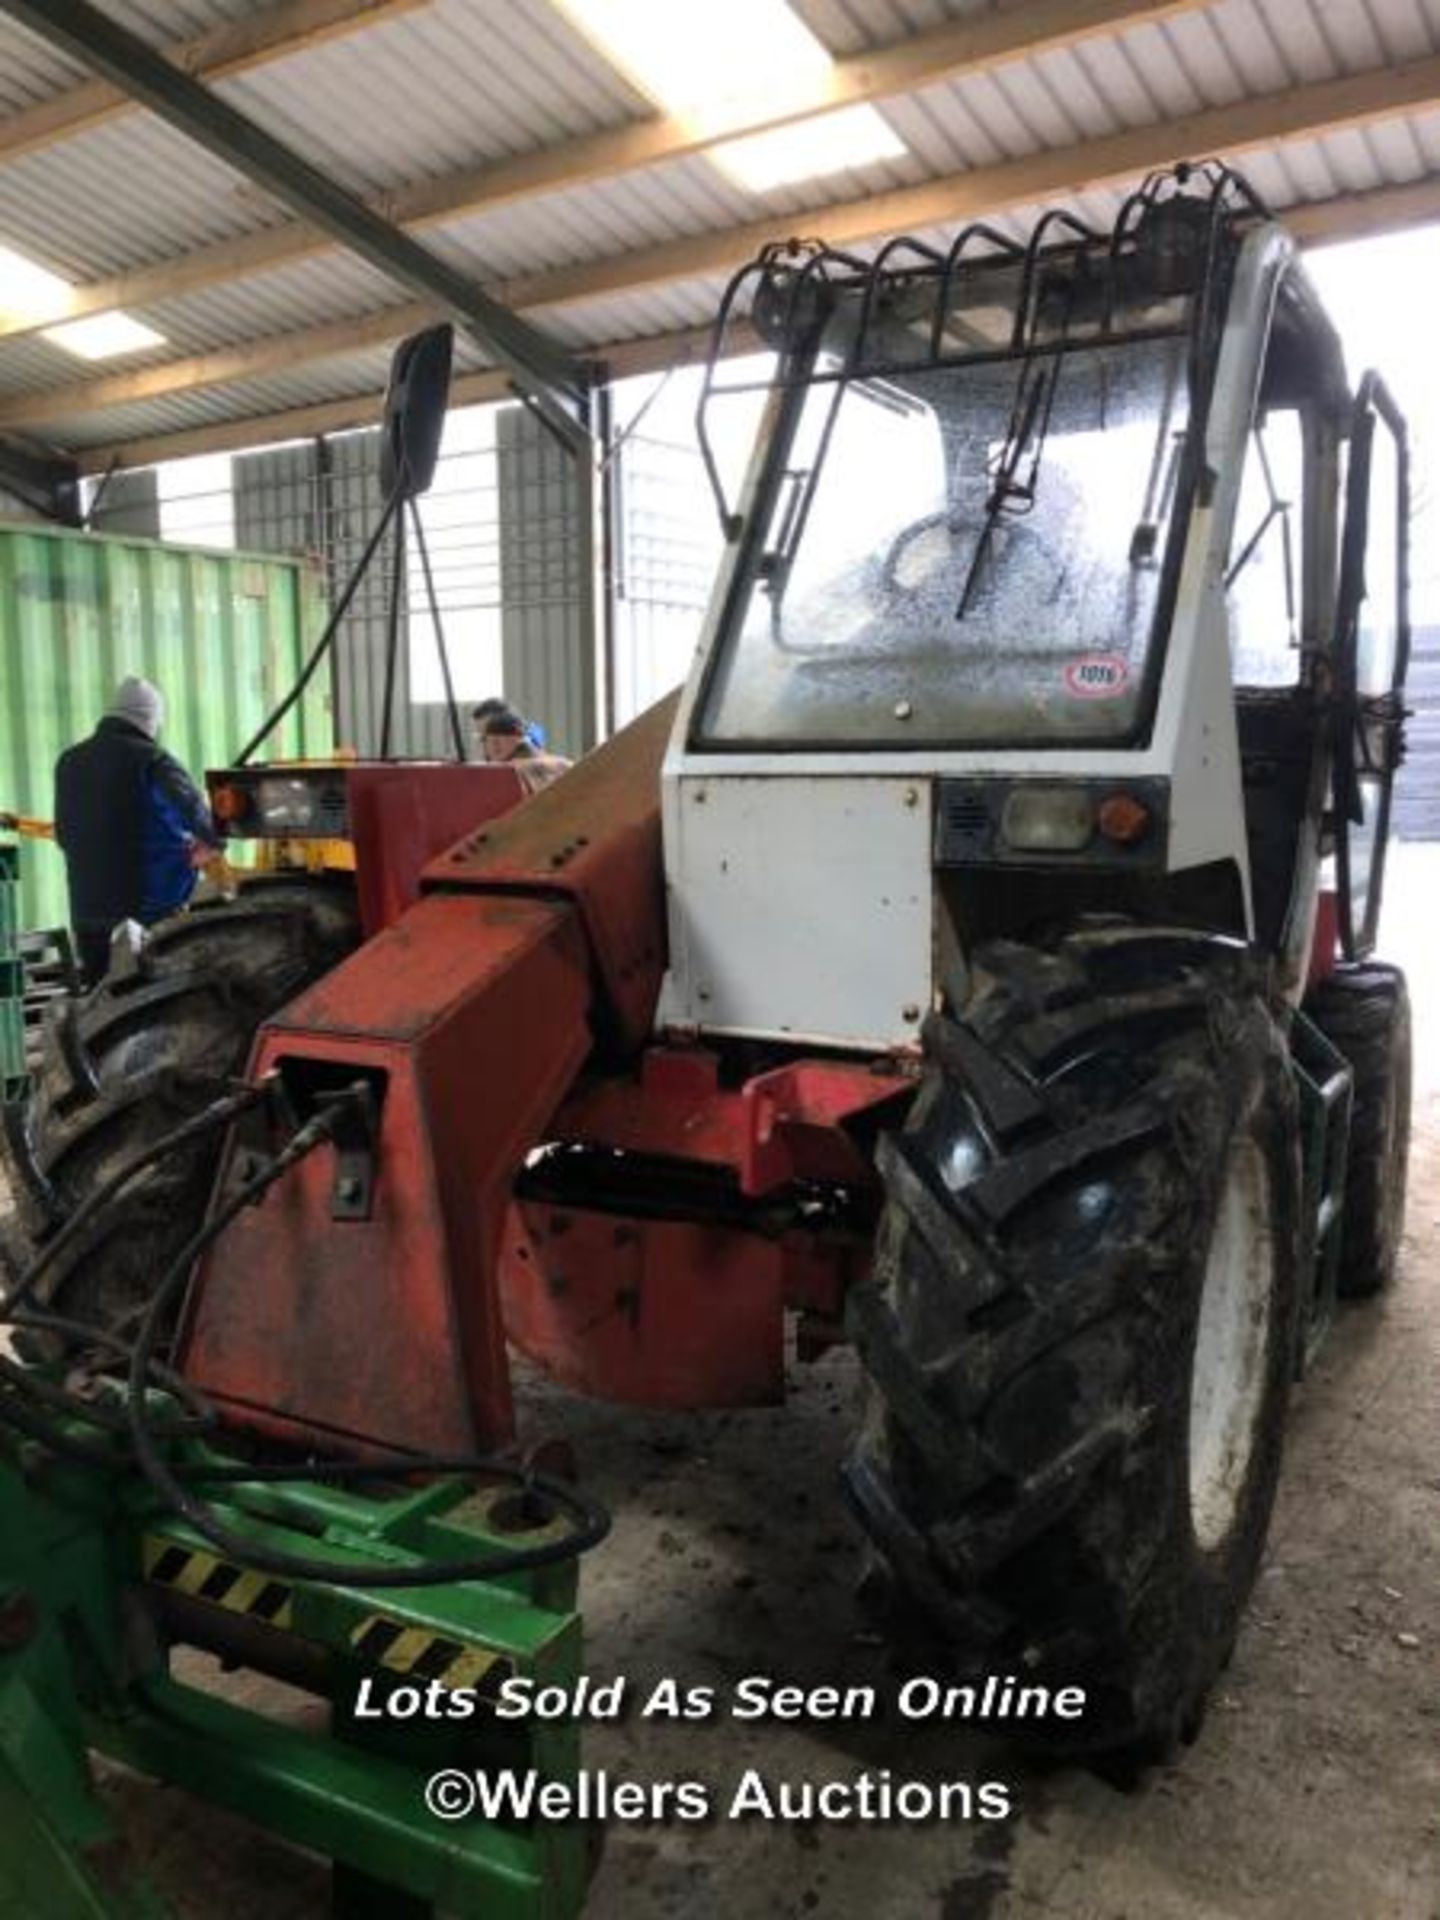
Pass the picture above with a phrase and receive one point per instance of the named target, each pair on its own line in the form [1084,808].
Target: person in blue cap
[506,738]
[534,732]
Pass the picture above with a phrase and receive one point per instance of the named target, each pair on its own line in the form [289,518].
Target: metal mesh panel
[667,547]
[547,586]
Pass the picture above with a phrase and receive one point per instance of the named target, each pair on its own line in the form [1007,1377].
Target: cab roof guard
[1174,239]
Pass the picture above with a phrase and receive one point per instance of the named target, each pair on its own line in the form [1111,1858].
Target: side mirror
[415,403]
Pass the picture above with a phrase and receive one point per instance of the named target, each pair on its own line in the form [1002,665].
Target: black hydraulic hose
[591,1522]
[31,1384]
[198,1414]
[32,1405]
[56,1439]
[219,1113]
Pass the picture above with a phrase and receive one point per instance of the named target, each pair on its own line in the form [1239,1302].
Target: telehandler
[973,962]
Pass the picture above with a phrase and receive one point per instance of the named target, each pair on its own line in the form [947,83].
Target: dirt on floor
[1313,1792]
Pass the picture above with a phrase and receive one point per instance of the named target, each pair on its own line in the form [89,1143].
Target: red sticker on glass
[1099,676]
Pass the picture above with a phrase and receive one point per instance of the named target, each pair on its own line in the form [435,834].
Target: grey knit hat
[142,704]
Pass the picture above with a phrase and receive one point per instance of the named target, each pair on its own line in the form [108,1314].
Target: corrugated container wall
[223,635]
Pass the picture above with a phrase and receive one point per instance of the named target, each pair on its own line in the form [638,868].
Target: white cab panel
[800,908]
[800,887]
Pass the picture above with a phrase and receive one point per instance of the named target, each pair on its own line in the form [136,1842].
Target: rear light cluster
[1068,819]
[282,805]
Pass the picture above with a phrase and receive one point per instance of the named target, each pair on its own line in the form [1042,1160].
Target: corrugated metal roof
[30,71]
[334,380]
[318,290]
[165,20]
[857,26]
[338,379]
[450,85]
[125,193]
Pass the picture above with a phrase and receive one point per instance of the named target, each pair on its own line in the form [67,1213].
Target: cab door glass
[1266,565]
[1372,648]
[1378,636]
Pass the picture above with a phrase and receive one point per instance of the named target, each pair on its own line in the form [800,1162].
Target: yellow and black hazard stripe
[420,1653]
[205,1576]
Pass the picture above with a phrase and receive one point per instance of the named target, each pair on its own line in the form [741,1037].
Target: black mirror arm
[327,638]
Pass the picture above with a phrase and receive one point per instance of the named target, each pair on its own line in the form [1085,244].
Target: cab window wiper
[1009,492]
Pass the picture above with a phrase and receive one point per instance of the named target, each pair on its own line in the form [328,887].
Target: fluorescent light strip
[28,292]
[727,66]
[103,335]
[761,161]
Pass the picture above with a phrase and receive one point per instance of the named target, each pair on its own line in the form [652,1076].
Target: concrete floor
[1312,1794]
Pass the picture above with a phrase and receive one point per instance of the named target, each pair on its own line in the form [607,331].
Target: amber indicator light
[1123,819]
[229,803]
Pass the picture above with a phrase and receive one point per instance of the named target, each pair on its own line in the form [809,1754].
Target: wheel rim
[1232,1346]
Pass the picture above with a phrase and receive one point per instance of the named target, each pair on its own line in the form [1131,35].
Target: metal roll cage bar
[795,285]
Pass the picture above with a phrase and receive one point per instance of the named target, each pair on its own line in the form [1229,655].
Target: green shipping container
[223,635]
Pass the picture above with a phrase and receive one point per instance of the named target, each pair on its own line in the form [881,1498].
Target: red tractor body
[537,945]
[388,819]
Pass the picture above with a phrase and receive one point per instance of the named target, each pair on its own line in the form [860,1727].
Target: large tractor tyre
[1080,1329]
[162,1036]
[1365,1012]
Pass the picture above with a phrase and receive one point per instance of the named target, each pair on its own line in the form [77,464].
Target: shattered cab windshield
[970,556]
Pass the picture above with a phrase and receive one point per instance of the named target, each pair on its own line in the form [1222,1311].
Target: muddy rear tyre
[158,1039]
[1365,1012]
[1081,1326]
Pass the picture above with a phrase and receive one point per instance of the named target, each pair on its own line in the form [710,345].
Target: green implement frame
[98,1586]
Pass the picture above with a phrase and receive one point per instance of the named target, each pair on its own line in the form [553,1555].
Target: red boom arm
[472,1015]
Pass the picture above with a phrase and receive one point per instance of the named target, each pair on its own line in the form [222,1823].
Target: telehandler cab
[972,963]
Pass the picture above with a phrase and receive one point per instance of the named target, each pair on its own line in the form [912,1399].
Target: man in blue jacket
[131,822]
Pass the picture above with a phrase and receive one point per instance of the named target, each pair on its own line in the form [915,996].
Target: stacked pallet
[47,959]
[36,970]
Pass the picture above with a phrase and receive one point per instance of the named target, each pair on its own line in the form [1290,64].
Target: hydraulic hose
[219,1113]
[590,1521]
[34,1405]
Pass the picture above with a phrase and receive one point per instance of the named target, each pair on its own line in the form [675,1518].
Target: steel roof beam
[1317,223]
[959,50]
[657,353]
[543,372]
[1321,107]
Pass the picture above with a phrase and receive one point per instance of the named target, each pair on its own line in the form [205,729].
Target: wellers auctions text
[996,1698]
[878,1797]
